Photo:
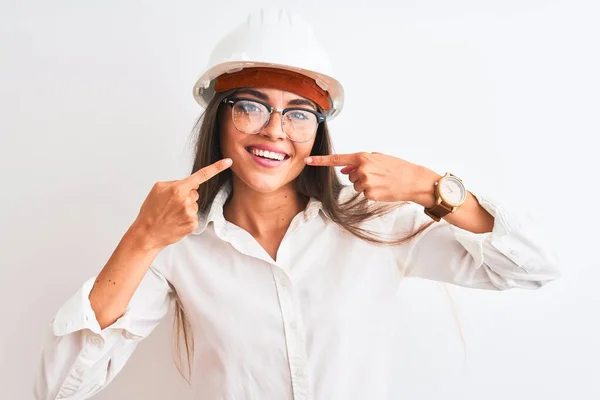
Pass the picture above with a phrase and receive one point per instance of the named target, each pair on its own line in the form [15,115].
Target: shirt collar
[215,212]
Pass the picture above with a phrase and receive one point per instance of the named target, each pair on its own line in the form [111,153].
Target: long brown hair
[321,183]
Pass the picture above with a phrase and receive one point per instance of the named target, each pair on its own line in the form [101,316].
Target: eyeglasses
[251,116]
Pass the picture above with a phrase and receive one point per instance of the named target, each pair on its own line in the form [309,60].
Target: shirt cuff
[500,237]
[77,314]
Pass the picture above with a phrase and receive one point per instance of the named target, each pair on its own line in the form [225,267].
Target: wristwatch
[450,193]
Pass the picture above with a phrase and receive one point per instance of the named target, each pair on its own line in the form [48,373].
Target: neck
[263,214]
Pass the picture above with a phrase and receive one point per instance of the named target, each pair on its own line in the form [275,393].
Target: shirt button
[300,372]
[79,370]
[282,282]
[96,341]
[293,325]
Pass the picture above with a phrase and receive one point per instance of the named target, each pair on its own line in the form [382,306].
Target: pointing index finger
[332,160]
[204,174]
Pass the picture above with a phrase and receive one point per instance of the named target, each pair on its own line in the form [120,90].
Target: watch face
[452,190]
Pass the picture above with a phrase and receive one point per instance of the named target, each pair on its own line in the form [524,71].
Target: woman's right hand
[170,211]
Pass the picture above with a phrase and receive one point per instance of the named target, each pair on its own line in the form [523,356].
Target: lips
[268,156]
[268,152]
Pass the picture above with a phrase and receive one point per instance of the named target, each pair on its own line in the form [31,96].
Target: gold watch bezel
[440,198]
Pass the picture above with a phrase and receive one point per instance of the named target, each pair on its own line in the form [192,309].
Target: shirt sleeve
[78,358]
[514,255]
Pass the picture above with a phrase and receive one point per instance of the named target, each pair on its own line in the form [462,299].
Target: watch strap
[438,211]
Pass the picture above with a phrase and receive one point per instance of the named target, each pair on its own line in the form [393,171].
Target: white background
[96,106]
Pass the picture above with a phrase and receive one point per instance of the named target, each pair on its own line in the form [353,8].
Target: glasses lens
[300,125]
[249,116]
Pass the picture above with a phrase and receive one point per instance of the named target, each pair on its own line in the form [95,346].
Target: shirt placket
[295,338]
[293,325]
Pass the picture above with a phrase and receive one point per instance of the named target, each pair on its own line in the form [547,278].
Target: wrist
[424,193]
[138,236]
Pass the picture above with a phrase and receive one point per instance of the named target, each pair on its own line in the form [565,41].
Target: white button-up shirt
[312,324]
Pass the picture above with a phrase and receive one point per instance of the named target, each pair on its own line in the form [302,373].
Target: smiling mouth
[269,155]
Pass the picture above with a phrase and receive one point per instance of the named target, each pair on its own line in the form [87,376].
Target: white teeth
[268,154]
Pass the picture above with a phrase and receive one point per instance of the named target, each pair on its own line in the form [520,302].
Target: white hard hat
[274,39]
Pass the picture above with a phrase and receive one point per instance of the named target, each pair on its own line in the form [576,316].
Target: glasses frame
[230,101]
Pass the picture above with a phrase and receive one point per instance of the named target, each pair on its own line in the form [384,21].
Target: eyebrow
[302,102]
[264,97]
[254,93]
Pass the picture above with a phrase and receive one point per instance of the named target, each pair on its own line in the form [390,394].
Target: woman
[283,278]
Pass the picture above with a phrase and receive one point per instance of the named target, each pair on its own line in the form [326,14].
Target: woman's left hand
[382,177]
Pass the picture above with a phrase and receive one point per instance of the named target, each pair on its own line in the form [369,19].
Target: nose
[274,129]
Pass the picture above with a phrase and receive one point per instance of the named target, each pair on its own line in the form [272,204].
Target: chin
[265,185]
[262,182]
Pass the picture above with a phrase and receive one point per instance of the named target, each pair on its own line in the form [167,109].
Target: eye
[300,115]
[248,107]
